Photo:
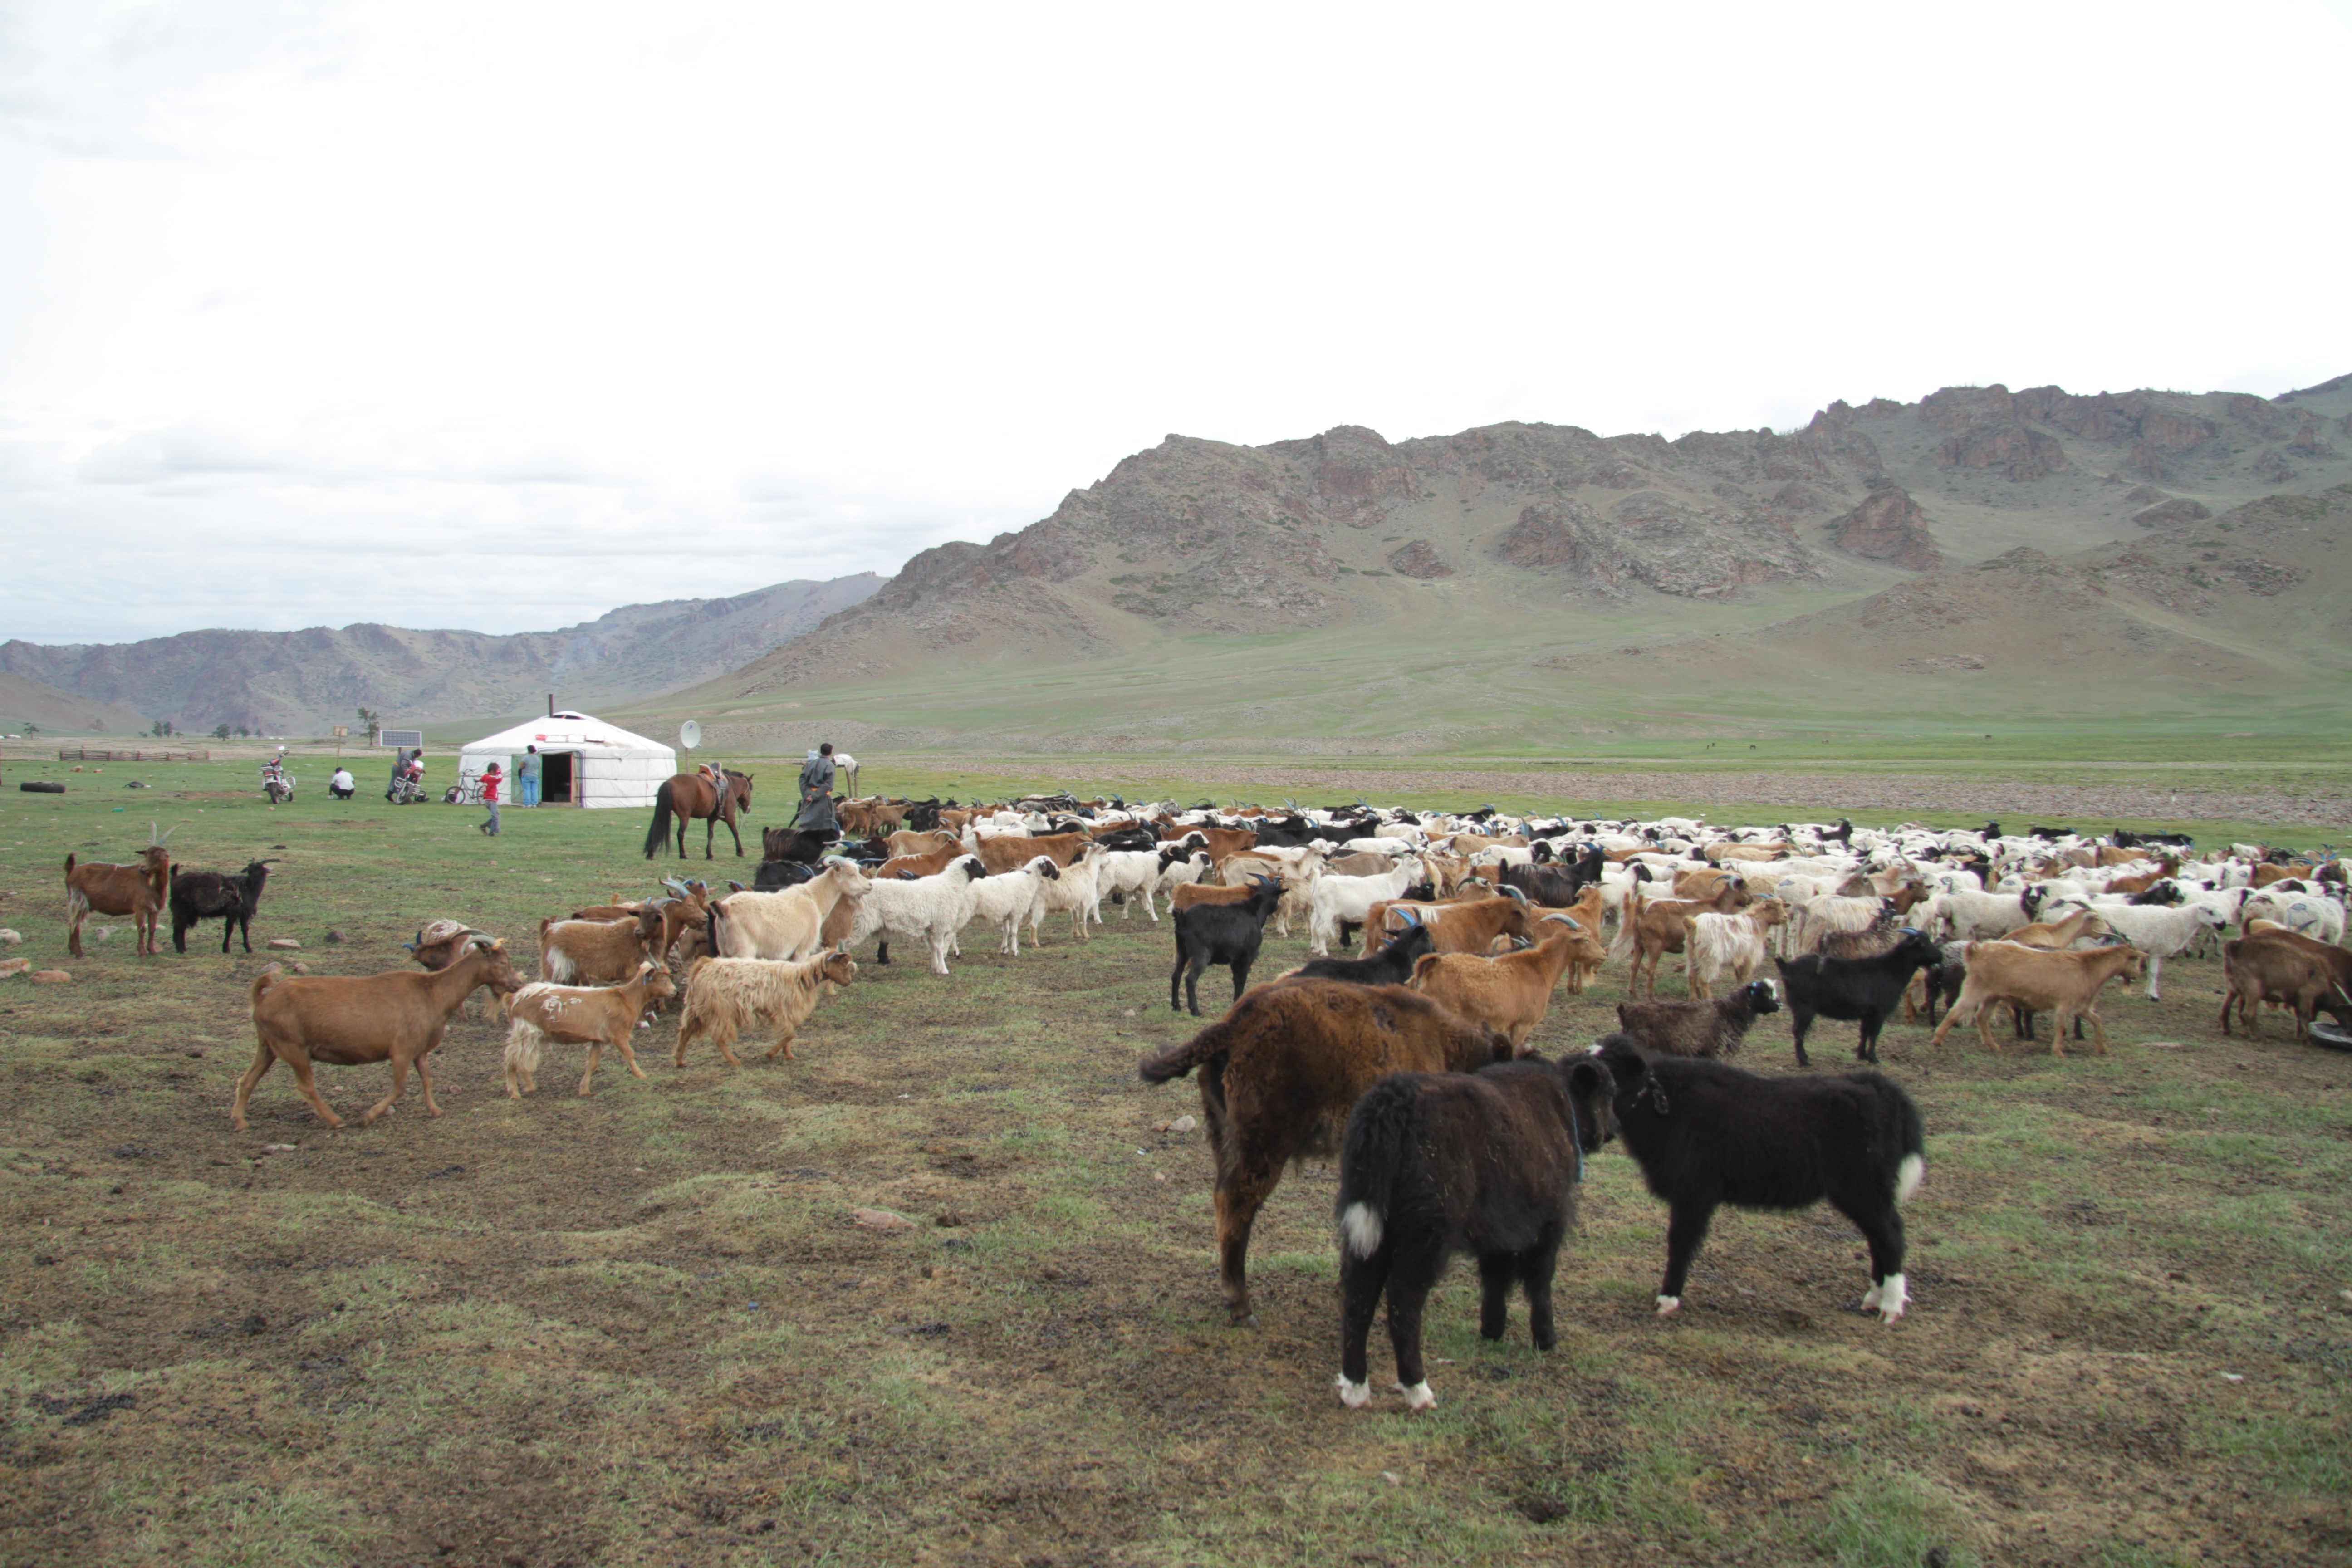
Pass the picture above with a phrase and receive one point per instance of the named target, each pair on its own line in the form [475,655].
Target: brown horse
[692,795]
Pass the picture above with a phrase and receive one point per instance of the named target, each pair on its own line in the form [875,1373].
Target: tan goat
[724,996]
[2065,983]
[1511,992]
[590,1016]
[351,1020]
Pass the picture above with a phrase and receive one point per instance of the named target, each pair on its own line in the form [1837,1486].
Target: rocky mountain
[300,682]
[1552,526]
[32,704]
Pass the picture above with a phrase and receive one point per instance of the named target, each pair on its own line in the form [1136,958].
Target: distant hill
[1562,534]
[300,682]
[33,702]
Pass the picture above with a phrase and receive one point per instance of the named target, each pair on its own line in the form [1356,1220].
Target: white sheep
[1004,901]
[2314,915]
[930,910]
[1076,892]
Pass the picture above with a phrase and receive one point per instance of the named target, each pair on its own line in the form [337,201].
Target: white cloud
[454,314]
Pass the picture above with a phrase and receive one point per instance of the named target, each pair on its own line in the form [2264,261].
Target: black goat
[1393,965]
[1863,990]
[1706,1134]
[1221,933]
[1546,885]
[775,876]
[216,895]
[1438,1163]
[1713,1028]
[791,844]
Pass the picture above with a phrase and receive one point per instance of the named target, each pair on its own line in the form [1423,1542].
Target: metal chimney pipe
[550,704]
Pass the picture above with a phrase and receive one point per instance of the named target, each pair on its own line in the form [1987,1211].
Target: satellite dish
[689,734]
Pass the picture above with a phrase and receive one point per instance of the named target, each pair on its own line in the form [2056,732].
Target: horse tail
[658,835]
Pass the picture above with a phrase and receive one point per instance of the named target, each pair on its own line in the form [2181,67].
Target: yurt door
[561,773]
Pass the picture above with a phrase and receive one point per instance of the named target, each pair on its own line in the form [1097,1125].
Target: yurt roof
[565,731]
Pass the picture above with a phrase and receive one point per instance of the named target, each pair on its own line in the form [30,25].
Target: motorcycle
[277,783]
[407,787]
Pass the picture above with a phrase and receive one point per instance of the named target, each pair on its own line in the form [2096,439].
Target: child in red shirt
[490,799]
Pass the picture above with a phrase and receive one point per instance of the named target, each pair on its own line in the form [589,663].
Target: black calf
[1867,990]
[216,895]
[1221,933]
[1438,1164]
[1706,1134]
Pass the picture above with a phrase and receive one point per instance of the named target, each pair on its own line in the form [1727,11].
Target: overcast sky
[499,315]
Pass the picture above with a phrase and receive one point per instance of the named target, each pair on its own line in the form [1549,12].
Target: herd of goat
[1406,1058]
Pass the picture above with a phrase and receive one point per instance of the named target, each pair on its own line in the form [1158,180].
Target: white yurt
[583,761]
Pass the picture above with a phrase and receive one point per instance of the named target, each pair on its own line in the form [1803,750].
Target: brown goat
[1010,851]
[590,1016]
[140,889]
[2265,968]
[1510,994]
[595,952]
[1280,1073]
[1467,921]
[1657,928]
[2064,983]
[351,1020]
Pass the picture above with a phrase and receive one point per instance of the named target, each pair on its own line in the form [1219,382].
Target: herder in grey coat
[816,794]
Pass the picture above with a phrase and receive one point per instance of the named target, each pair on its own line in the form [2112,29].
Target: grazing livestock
[724,996]
[351,1020]
[1229,934]
[1731,946]
[1076,892]
[1860,990]
[1010,851]
[1281,1071]
[1510,992]
[138,890]
[1435,1165]
[792,843]
[1006,900]
[596,953]
[2314,915]
[1393,965]
[790,925]
[216,895]
[2266,968]
[1469,926]
[1128,877]
[2160,933]
[2337,998]
[1707,1133]
[2066,983]
[1713,1028]
[1351,899]
[929,909]
[1657,928]
[590,1016]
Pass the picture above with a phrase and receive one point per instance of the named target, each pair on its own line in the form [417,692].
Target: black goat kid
[1221,933]
[216,895]
[1863,990]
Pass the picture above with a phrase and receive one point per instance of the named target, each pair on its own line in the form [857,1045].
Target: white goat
[1351,899]
[1004,900]
[1076,891]
[929,909]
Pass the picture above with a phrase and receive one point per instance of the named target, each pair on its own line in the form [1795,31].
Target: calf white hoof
[1890,1297]
[1418,1396]
[1669,1305]
[1354,1396]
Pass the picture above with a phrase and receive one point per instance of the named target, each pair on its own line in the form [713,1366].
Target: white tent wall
[615,768]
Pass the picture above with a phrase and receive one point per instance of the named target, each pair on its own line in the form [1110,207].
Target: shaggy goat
[1713,1028]
[1486,1163]
[1281,1071]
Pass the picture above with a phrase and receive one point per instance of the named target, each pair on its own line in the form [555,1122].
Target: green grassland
[646,1327]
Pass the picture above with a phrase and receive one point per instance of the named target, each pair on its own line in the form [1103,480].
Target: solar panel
[410,740]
